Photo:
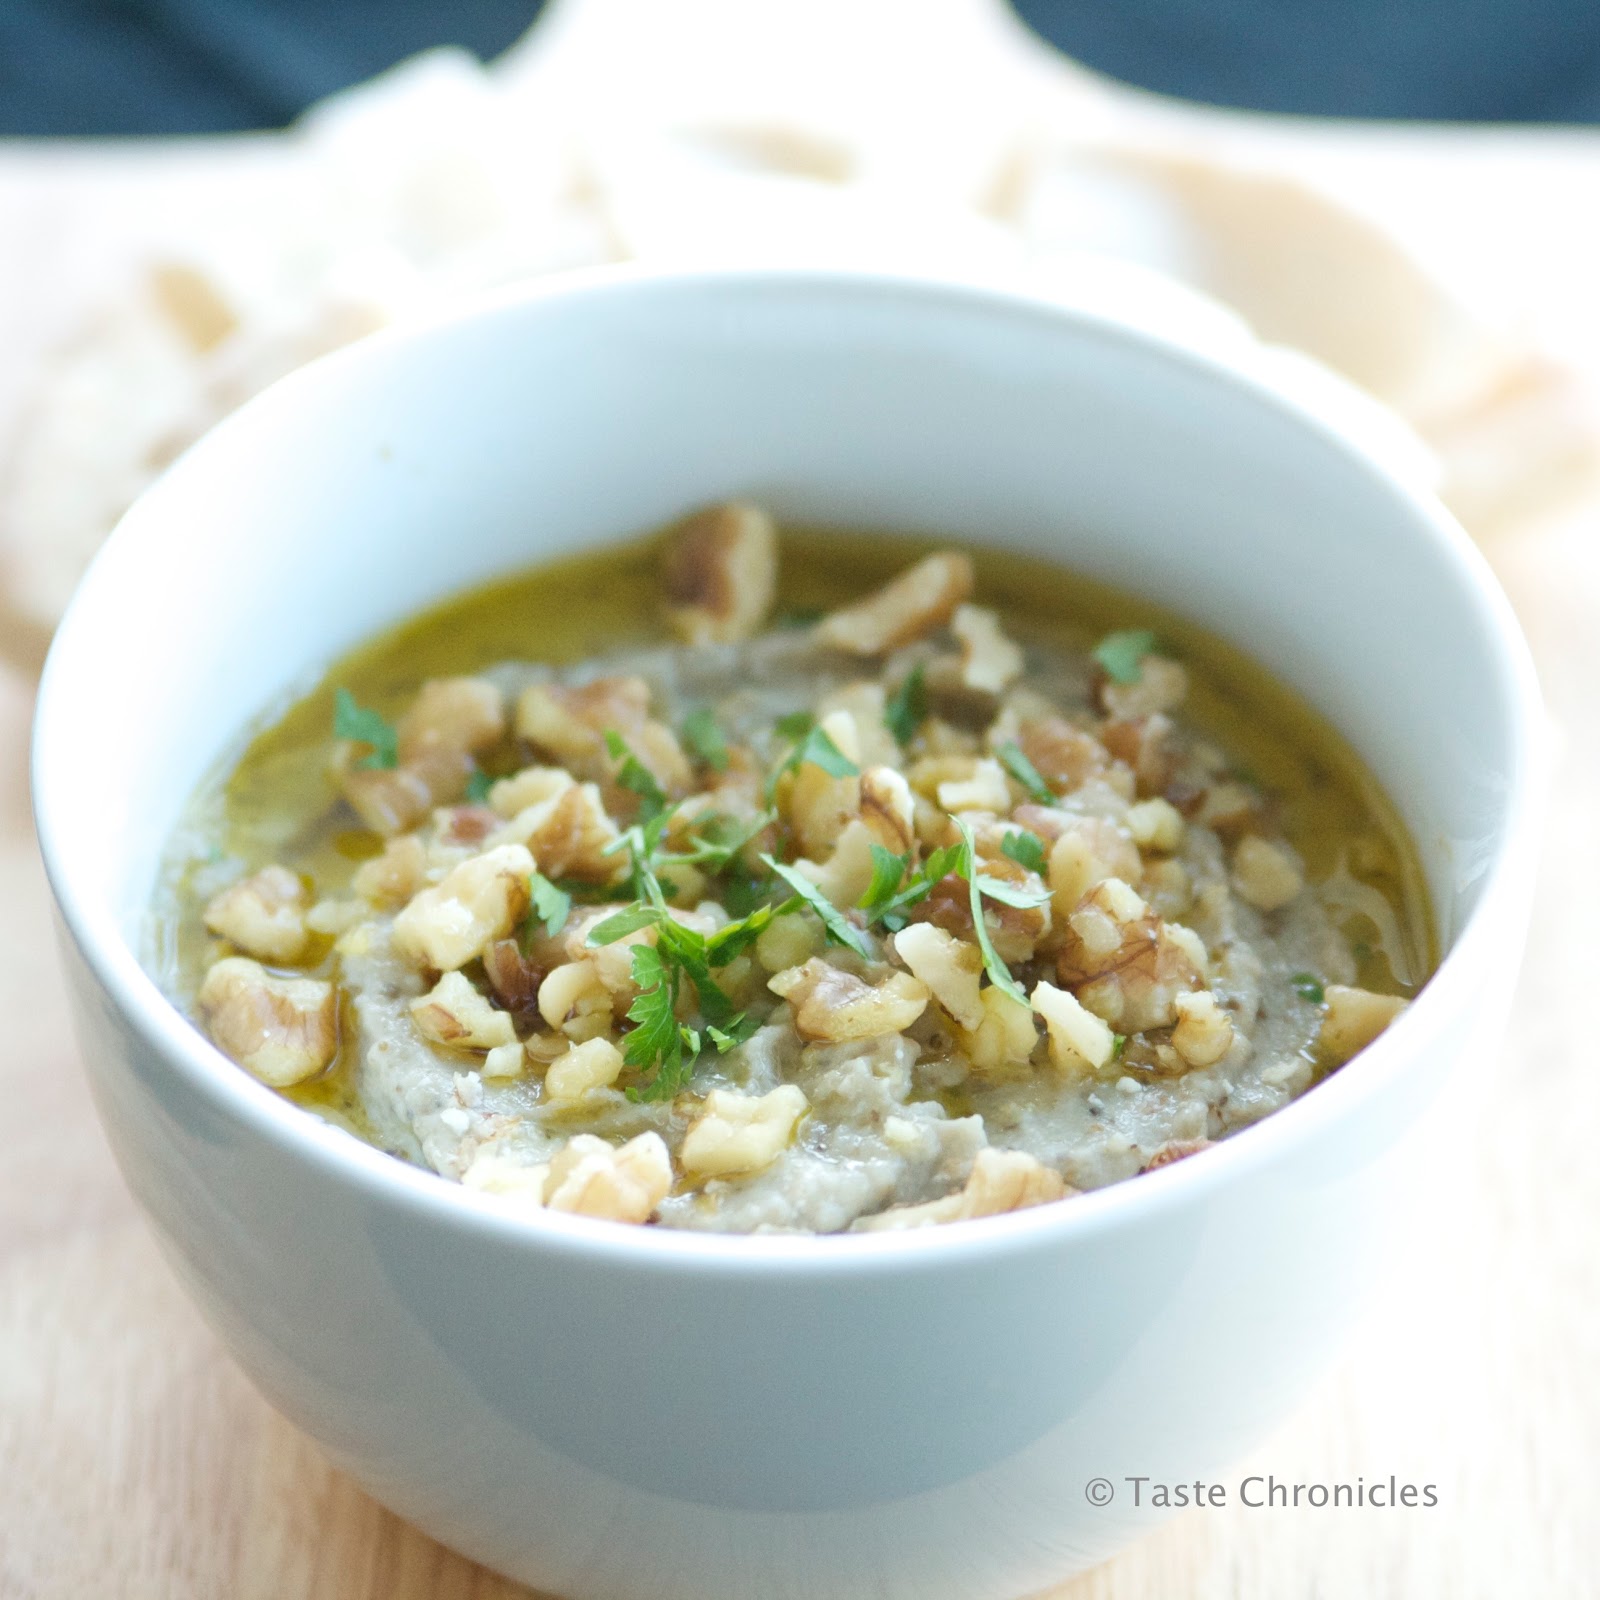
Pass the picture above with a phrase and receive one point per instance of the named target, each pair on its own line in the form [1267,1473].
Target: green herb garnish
[551,905]
[981,886]
[908,706]
[1026,849]
[834,924]
[704,738]
[656,1044]
[356,723]
[888,873]
[1121,655]
[634,776]
[918,886]
[1308,986]
[478,786]
[1023,770]
[818,749]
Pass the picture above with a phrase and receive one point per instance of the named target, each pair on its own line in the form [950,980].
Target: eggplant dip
[924,905]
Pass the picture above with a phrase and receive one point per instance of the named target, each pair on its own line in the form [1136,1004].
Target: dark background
[103,67]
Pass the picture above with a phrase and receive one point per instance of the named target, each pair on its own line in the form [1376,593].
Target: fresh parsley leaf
[351,721]
[1024,771]
[622,923]
[730,942]
[798,616]
[1026,849]
[888,872]
[817,748]
[478,786]
[656,1044]
[634,776]
[1009,894]
[737,1033]
[550,904]
[938,866]
[999,972]
[1308,986]
[908,706]
[833,921]
[704,738]
[1119,1043]
[796,725]
[718,842]
[1121,655]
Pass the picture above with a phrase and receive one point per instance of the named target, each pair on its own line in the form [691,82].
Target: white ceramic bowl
[615,1411]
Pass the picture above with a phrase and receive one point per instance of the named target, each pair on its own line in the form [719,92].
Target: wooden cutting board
[135,1461]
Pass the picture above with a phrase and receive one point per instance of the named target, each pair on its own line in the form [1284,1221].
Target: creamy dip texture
[631,889]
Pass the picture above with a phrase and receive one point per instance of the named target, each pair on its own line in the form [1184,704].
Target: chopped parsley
[834,923]
[478,786]
[908,706]
[1026,849]
[634,776]
[551,906]
[1023,770]
[362,726]
[1121,655]
[816,747]
[916,886]
[1308,986]
[704,738]
[981,886]
[888,873]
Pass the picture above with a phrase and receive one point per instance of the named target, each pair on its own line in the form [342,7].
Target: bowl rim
[1240,361]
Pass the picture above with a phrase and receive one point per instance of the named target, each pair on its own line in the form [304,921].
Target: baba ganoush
[851,885]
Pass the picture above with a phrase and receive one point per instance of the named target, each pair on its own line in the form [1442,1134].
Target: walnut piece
[740,1134]
[990,662]
[1001,1180]
[454,1013]
[914,603]
[264,915]
[833,1005]
[719,572]
[280,1030]
[1355,1018]
[476,903]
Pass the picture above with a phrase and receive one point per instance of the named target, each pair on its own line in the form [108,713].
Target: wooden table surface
[135,1461]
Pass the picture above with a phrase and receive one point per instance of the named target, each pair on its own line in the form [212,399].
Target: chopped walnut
[1080,1042]
[390,879]
[831,1004]
[573,999]
[887,809]
[1355,1018]
[1204,1032]
[505,1061]
[1087,851]
[388,800]
[572,723]
[511,796]
[264,914]
[593,1064]
[1147,747]
[1005,1035]
[819,805]
[1175,1150]
[1064,756]
[1001,1180]
[568,835]
[920,599]
[950,968]
[739,1134]
[622,1183]
[280,1030]
[1265,874]
[986,789]
[1156,825]
[477,902]
[454,1013]
[457,715]
[990,662]
[788,941]
[719,572]
[1162,685]
[1124,963]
